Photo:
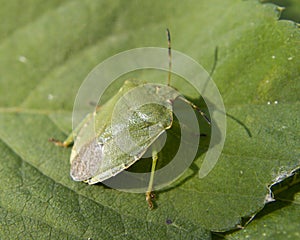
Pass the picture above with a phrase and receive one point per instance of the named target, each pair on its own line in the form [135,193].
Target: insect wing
[86,153]
[134,127]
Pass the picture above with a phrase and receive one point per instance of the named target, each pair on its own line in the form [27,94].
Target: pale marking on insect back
[81,167]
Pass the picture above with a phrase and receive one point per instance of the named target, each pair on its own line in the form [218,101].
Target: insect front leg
[70,139]
[149,194]
[66,143]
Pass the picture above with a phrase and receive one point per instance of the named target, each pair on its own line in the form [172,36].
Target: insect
[95,158]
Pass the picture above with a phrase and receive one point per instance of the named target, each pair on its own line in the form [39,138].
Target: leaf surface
[46,50]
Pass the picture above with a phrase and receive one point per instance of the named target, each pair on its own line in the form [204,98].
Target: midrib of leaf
[31,111]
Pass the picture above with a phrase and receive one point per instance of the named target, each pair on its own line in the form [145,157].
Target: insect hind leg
[149,194]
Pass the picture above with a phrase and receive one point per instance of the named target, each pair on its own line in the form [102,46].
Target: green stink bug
[98,157]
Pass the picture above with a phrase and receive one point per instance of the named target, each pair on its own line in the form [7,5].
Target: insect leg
[149,194]
[70,139]
[196,108]
[65,143]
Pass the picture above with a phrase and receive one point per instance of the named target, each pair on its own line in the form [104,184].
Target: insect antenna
[170,56]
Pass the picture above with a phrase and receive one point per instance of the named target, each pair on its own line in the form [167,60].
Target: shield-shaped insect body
[111,141]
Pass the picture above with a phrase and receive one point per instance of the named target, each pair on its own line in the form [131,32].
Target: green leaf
[278,220]
[46,51]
